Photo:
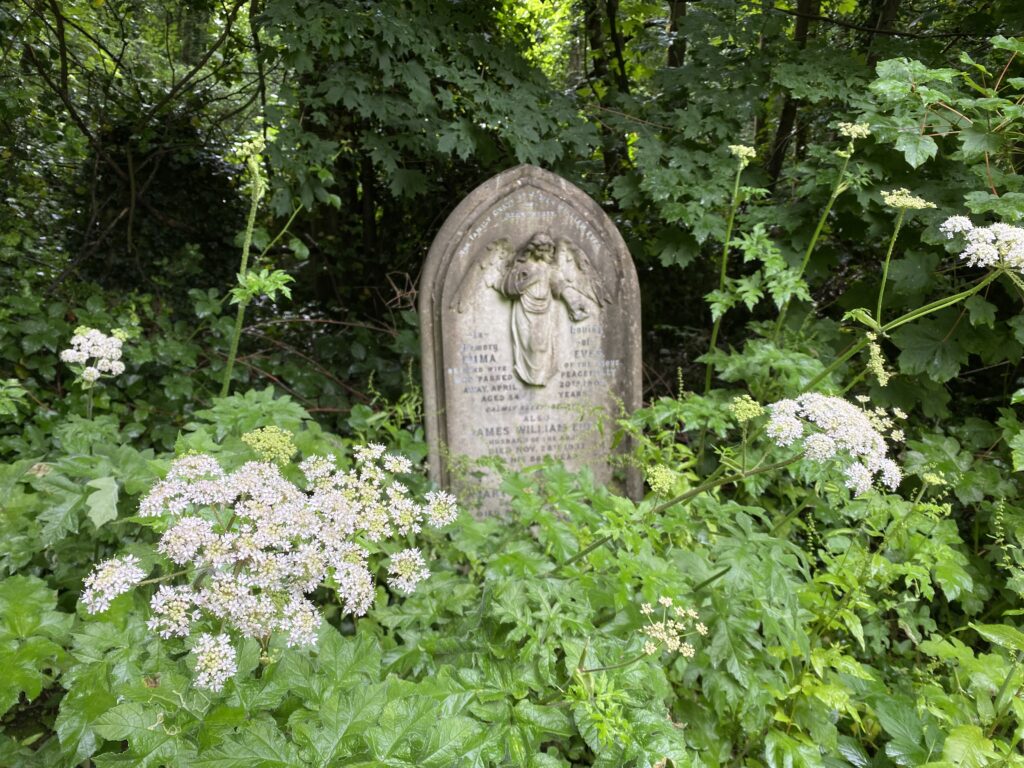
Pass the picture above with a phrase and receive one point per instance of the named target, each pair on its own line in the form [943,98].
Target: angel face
[541,248]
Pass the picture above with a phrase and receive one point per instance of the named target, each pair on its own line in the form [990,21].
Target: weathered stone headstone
[530,315]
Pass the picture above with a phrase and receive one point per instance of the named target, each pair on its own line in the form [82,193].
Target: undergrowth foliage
[826,568]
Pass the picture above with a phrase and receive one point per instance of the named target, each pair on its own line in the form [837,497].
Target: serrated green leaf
[967,747]
[916,148]
[925,347]
[102,502]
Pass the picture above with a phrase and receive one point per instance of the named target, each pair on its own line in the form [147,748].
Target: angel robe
[534,285]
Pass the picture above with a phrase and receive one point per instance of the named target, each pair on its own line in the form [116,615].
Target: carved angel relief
[536,277]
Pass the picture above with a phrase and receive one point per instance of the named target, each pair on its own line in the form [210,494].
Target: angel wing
[579,274]
[489,269]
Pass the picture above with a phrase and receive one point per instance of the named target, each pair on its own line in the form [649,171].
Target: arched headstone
[530,315]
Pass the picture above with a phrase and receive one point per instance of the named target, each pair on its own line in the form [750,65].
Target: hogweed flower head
[95,354]
[743,153]
[851,131]
[109,579]
[271,444]
[902,198]
[997,245]
[215,661]
[254,544]
[830,428]
[407,569]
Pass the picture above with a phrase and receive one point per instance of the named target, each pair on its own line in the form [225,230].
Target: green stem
[837,190]
[733,206]
[996,702]
[885,269]
[915,314]
[257,193]
[682,499]
[158,579]
[613,666]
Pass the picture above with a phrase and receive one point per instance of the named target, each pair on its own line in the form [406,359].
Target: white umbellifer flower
[301,621]
[837,426]
[109,579]
[173,610]
[407,569]
[441,509]
[215,661]
[397,464]
[255,544]
[954,225]
[355,586]
[819,447]
[992,246]
[89,343]
[185,538]
[317,468]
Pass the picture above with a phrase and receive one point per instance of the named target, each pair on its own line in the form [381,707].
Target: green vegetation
[215,214]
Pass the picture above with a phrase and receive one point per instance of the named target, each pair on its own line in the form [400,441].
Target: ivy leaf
[916,148]
[102,502]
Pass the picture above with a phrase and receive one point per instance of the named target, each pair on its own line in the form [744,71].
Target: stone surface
[530,316]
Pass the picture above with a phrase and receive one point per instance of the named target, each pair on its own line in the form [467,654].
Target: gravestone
[530,315]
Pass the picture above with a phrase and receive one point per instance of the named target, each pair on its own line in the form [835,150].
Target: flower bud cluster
[744,408]
[271,444]
[876,361]
[855,130]
[87,344]
[743,153]
[831,427]
[670,633]
[661,479]
[992,246]
[254,545]
[902,198]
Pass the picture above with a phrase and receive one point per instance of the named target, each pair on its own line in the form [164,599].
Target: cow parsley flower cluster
[670,633]
[831,428]
[997,245]
[95,354]
[253,545]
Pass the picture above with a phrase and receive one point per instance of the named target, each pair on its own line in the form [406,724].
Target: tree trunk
[885,12]
[677,48]
[787,119]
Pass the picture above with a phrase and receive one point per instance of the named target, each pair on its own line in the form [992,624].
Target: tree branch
[178,86]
